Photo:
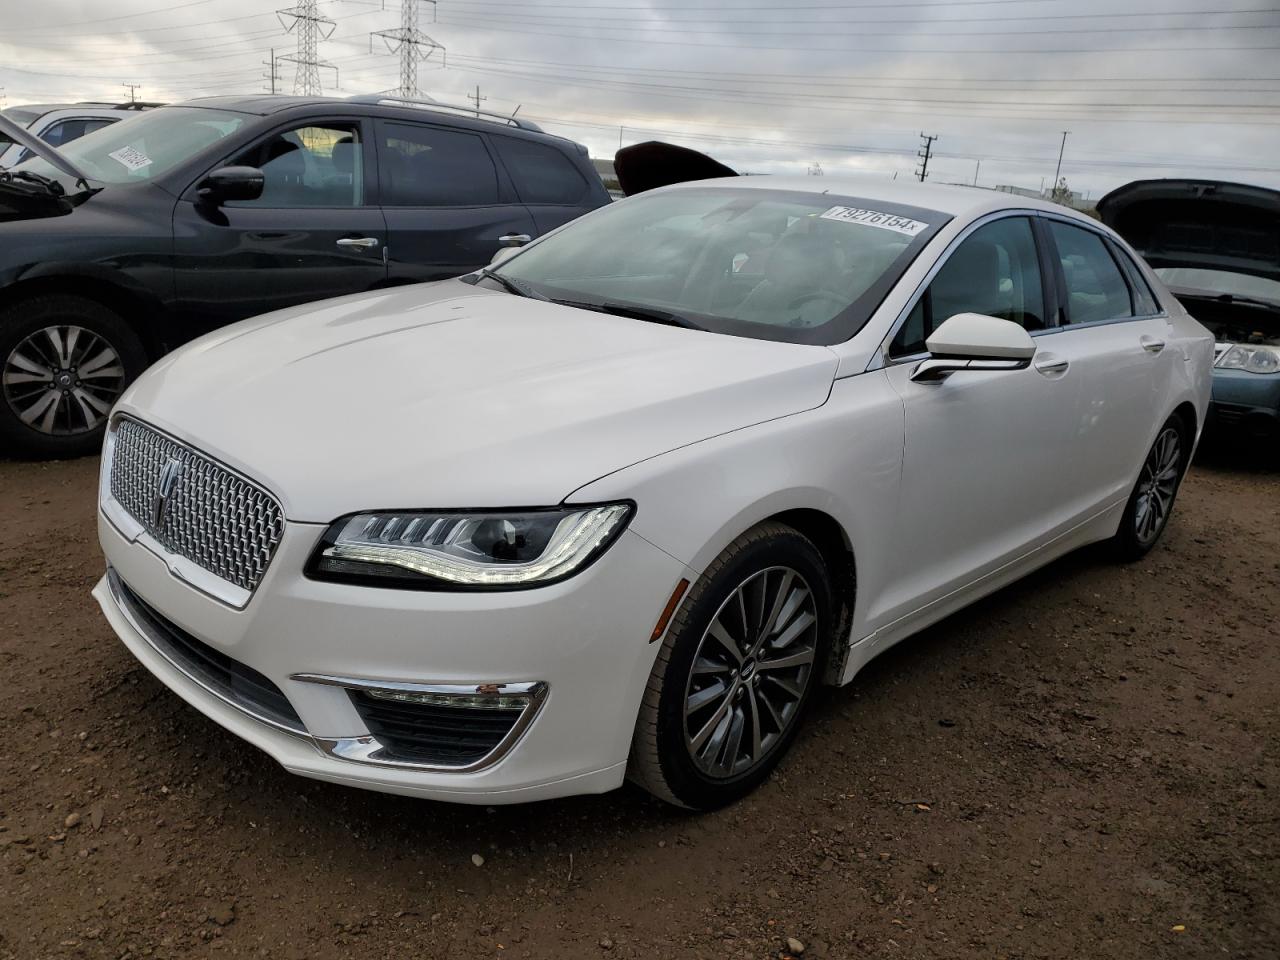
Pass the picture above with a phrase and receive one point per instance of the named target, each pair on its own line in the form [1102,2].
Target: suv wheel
[736,671]
[66,361]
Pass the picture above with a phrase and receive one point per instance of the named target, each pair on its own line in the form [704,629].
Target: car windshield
[776,265]
[1220,282]
[145,146]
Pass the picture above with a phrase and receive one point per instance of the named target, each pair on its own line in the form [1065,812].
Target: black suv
[143,235]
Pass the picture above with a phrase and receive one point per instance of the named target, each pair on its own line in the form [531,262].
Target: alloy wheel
[62,380]
[750,672]
[1157,485]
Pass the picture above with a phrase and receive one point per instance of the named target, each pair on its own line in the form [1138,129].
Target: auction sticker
[875,218]
[130,157]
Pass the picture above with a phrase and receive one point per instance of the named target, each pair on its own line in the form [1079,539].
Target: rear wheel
[736,671]
[66,361]
[1151,503]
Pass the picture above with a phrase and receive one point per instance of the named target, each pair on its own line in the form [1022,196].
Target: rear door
[1111,334]
[448,207]
[548,183]
[311,235]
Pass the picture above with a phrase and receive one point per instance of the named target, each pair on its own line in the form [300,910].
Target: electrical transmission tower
[310,28]
[924,154]
[411,43]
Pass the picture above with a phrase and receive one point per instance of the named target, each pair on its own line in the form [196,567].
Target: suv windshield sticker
[130,157]
[874,218]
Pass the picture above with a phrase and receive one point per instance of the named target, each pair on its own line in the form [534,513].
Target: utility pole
[411,43]
[925,154]
[133,89]
[1058,172]
[815,169]
[310,29]
[272,74]
[476,98]
[976,167]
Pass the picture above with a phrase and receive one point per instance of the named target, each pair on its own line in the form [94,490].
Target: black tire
[662,752]
[1140,529]
[36,329]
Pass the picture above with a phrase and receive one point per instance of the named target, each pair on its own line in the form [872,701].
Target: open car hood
[1203,224]
[652,164]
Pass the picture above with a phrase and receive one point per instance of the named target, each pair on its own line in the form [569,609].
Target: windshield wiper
[518,287]
[51,186]
[1249,301]
[648,314]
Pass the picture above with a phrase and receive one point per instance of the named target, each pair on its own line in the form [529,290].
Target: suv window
[542,173]
[425,166]
[994,271]
[311,166]
[1096,289]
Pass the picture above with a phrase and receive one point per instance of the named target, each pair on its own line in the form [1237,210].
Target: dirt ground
[1085,765]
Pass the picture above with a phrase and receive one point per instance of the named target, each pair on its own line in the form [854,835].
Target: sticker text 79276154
[875,218]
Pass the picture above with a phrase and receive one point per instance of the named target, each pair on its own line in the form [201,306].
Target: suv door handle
[1050,365]
[514,239]
[1151,344]
[364,242]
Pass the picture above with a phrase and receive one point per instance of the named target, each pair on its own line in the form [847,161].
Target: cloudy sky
[1145,87]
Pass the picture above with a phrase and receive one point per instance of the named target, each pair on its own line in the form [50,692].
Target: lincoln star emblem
[168,480]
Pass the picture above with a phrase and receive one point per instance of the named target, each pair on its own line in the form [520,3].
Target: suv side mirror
[231,183]
[975,341]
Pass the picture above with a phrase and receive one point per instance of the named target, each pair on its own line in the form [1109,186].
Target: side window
[312,166]
[421,166]
[1096,289]
[542,174]
[64,131]
[994,271]
[1145,303]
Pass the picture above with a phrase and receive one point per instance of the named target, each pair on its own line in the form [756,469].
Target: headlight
[1251,357]
[445,550]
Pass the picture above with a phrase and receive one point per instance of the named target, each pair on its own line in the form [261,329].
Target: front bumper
[582,644]
[1248,402]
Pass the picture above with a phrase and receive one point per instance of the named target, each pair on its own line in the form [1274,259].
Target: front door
[311,235]
[447,208]
[986,460]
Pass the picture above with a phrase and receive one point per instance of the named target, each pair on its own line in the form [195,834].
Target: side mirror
[231,183]
[974,341]
[502,253]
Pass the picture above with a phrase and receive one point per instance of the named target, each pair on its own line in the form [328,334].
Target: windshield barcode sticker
[875,218]
[130,157]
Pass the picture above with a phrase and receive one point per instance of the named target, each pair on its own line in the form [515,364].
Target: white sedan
[615,507]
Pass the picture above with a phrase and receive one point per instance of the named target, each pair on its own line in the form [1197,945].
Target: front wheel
[66,361]
[1151,502]
[736,671]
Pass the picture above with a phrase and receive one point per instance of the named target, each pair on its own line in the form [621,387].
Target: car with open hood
[1217,246]
[618,504]
[138,237]
[60,123]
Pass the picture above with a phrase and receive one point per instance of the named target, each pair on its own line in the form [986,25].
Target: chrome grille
[215,518]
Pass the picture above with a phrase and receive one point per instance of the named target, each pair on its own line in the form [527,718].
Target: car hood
[653,164]
[1204,224]
[451,395]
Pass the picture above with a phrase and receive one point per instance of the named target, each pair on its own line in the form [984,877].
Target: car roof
[956,200]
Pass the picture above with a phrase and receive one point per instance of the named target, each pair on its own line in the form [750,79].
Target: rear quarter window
[542,174]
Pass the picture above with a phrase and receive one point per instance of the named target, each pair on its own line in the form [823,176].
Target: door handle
[1151,344]
[1051,365]
[363,242]
[514,239]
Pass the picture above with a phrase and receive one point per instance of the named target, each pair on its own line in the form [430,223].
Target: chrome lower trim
[368,749]
[156,643]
